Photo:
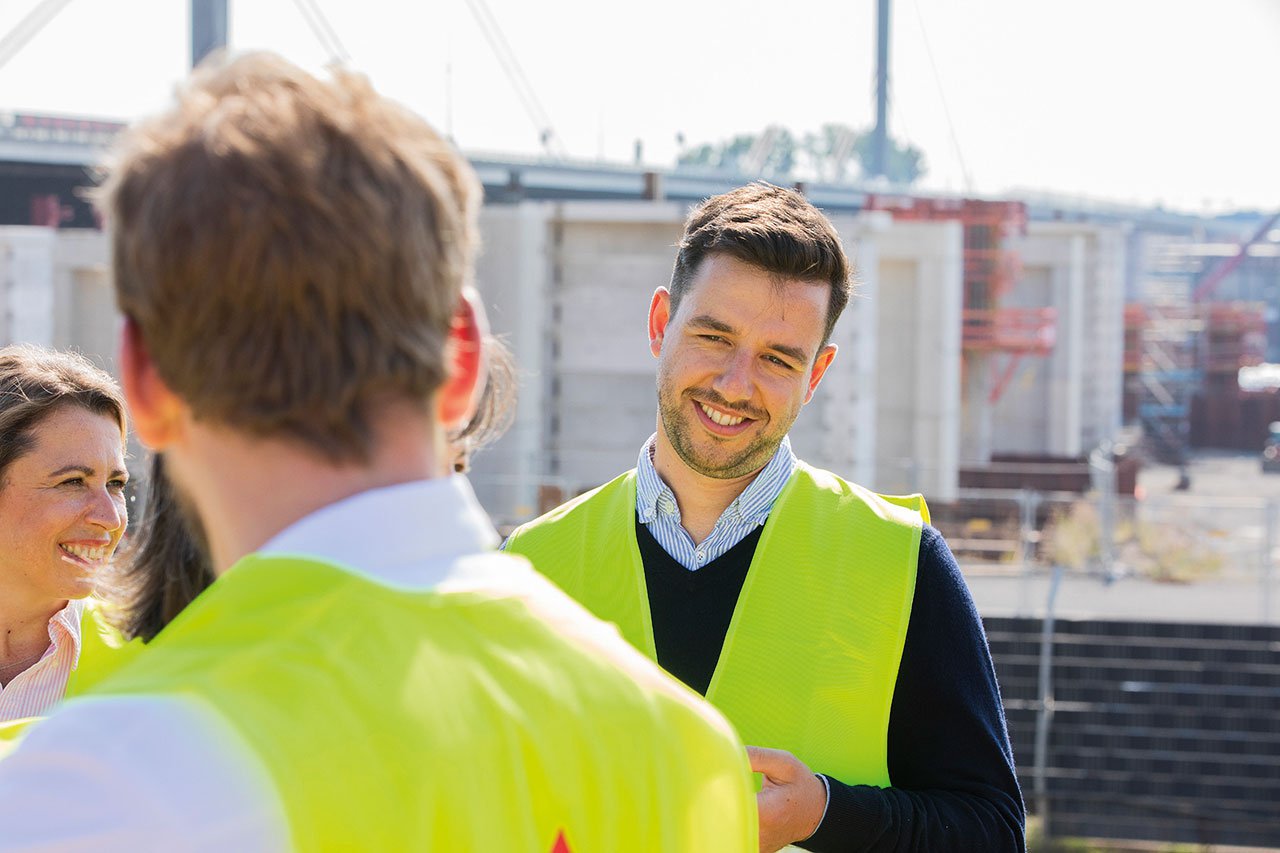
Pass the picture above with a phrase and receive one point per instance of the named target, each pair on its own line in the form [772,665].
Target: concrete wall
[55,291]
[511,276]
[1066,402]
[917,306]
[26,284]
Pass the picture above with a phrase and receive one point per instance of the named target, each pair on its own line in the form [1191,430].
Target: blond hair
[291,249]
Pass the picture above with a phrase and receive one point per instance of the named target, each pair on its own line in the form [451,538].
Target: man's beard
[679,426]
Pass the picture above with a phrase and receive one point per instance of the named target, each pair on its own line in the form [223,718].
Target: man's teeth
[93,555]
[722,419]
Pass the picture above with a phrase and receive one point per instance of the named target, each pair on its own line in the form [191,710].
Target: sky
[1150,102]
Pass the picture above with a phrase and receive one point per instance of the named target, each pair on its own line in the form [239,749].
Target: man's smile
[719,421]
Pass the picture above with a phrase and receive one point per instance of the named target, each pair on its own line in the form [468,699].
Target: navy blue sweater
[950,762]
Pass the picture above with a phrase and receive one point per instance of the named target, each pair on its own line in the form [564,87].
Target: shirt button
[701,555]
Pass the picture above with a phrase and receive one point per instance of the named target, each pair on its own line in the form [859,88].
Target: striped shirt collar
[655,499]
[40,686]
[64,627]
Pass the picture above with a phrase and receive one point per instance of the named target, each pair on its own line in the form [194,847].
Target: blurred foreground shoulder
[137,773]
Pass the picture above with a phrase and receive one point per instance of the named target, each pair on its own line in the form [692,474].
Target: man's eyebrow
[706,321]
[794,353]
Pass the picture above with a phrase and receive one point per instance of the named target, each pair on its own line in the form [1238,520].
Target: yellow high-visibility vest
[811,656]
[102,650]
[454,719]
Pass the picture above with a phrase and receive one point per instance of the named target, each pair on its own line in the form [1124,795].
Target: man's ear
[820,365]
[158,414]
[456,399]
[659,316]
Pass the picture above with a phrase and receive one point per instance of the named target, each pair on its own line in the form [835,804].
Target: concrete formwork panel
[511,276]
[918,318]
[1102,409]
[55,291]
[605,269]
[85,316]
[26,284]
[1066,402]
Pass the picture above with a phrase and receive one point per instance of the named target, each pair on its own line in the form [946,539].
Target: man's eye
[778,361]
[72,481]
[117,485]
[712,338]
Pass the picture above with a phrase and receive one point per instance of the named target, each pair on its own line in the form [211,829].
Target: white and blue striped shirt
[657,509]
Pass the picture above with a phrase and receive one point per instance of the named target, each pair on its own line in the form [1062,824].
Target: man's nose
[734,381]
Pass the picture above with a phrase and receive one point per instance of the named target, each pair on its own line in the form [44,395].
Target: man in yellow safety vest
[291,257]
[830,624]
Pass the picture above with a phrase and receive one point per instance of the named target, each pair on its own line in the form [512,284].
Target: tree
[828,155]
[903,164]
[769,154]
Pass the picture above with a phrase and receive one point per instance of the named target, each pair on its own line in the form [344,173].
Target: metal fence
[1215,554]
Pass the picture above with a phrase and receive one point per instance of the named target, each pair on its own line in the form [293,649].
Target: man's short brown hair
[291,249]
[36,382]
[769,227]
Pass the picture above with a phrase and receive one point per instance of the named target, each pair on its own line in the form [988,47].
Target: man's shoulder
[143,771]
[910,509]
[585,635]
[587,502]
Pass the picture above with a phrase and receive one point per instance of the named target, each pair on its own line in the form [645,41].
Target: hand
[792,801]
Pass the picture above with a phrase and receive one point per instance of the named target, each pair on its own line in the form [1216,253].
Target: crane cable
[942,95]
[506,57]
[323,31]
[28,28]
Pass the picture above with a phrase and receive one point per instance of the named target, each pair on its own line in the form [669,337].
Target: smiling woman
[62,512]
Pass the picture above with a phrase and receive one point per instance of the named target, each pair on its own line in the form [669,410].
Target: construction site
[1082,391]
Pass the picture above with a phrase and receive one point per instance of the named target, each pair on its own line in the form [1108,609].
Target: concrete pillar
[26,284]
[512,279]
[1066,388]
[918,405]
[977,415]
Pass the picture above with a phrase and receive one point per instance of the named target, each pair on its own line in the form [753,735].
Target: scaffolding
[1164,372]
[1178,344]
[994,337]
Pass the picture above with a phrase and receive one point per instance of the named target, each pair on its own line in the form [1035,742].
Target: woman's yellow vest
[393,719]
[811,656]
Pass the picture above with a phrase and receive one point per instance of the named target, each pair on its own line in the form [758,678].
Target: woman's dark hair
[164,566]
